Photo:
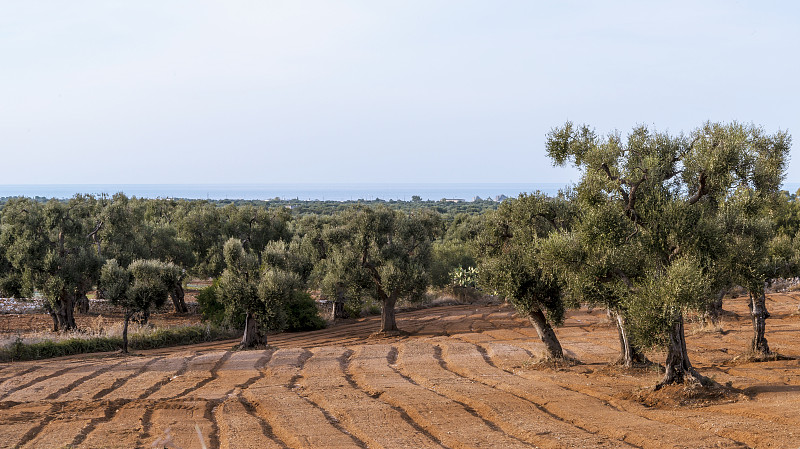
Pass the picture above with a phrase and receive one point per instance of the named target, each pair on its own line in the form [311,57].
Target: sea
[310,191]
[321,192]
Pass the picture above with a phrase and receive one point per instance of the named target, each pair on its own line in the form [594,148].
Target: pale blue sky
[371,91]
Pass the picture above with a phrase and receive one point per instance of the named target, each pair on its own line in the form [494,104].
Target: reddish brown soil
[463,378]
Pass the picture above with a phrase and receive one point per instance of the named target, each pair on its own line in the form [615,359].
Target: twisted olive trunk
[714,308]
[759,315]
[337,311]
[178,296]
[50,311]
[388,317]
[83,304]
[65,313]
[678,367]
[629,353]
[252,336]
[546,334]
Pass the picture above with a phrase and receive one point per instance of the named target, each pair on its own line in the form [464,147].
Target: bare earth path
[461,379]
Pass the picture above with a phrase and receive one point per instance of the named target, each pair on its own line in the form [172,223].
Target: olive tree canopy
[382,254]
[671,189]
[510,263]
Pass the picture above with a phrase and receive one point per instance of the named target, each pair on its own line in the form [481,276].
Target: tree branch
[93,234]
[702,189]
[611,177]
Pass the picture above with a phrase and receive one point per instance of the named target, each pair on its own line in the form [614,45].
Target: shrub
[464,277]
[302,314]
[446,257]
[212,310]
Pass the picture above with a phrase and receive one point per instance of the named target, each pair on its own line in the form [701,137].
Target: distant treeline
[302,207]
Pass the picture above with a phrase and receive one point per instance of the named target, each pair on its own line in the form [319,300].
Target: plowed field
[462,378]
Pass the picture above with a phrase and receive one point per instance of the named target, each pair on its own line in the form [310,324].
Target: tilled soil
[464,377]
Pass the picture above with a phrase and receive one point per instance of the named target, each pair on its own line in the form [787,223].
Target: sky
[372,91]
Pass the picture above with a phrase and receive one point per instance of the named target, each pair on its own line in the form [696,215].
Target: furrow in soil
[176,421]
[452,424]
[88,374]
[198,372]
[276,400]
[40,423]
[120,430]
[114,380]
[111,409]
[324,381]
[30,384]
[239,369]
[150,380]
[517,416]
[19,420]
[241,429]
[747,429]
[129,425]
[11,373]
[578,409]
[64,423]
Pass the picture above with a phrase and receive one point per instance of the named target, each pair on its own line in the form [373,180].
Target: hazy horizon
[300,191]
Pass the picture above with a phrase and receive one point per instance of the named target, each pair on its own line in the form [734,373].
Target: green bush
[353,307]
[212,310]
[446,257]
[302,314]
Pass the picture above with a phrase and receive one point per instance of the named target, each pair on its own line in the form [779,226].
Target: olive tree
[118,233]
[510,263]
[382,254]
[10,277]
[48,247]
[671,189]
[244,287]
[201,225]
[128,229]
[596,262]
[255,227]
[137,288]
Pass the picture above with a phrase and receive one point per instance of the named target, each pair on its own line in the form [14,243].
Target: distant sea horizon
[299,191]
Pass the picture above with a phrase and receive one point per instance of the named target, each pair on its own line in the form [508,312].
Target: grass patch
[148,339]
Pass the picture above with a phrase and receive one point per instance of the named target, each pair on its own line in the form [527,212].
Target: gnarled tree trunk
[714,308]
[629,353]
[83,304]
[546,334]
[678,367]
[178,296]
[252,336]
[759,314]
[388,318]
[65,313]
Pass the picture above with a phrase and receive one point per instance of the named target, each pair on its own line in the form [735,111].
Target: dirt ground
[463,378]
